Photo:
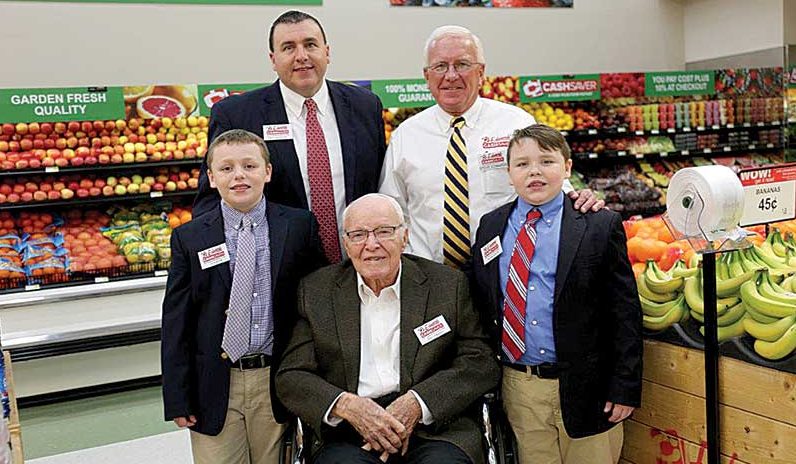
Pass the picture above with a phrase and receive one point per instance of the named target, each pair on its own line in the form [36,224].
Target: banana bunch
[782,247]
[772,314]
[662,302]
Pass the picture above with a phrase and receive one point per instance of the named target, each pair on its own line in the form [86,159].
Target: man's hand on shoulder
[378,428]
[586,200]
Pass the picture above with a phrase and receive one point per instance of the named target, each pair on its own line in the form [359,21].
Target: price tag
[621,130]
[769,145]
[52,169]
[775,123]
[752,146]
[670,130]
[639,156]
[161,273]
[730,126]
[101,280]
[746,124]
[685,152]
[664,154]
[564,133]
[715,127]
[639,132]
[592,131]
[592,155]
[700,128]
[760,124]
[707,150]
[155,194]
[621,153]
[654,132]
[29,288]
[686,129]
[727,148]
[769,194]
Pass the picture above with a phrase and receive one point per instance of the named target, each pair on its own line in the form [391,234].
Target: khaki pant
[250,434]
[533,408]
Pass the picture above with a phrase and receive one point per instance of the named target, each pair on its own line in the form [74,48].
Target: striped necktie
[513,339]
[456,223]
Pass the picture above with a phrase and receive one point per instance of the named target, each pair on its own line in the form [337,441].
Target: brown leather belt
[252,361]
[543,371]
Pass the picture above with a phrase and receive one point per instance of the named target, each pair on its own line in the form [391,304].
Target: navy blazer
[359,121]
[195,376]
[596,313]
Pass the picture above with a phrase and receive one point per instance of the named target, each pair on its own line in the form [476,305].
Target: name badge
[277,132]
[213,256]
[492,160]
[491,250]
[432,330]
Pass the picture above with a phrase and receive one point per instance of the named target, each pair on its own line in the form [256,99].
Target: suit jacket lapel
[214,224]
[277,230]
[346,312]
[342,112]
[283,152]
[573,226]
[414,303]
[497,228]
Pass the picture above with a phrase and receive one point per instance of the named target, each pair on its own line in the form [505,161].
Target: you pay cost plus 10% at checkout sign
[769,194]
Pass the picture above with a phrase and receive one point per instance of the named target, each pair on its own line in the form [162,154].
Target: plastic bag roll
[705,201]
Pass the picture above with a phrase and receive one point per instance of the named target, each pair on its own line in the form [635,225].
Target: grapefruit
[133,93]
[159,106]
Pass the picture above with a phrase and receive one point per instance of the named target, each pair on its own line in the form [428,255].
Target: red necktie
[321,189]
[513,339]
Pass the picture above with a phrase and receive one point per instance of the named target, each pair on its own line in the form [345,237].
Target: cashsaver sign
[64,104]
[560,88]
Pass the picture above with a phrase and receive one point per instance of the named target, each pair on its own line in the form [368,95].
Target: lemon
[133,93]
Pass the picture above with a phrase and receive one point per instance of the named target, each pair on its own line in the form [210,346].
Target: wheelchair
[499,443]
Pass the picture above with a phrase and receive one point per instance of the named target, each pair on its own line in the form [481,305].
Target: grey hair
[454,31]
[382,196]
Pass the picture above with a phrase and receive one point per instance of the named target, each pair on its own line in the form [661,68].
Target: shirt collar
[366,294]
[549,210]
[470,116]
[294,102]
[233,217]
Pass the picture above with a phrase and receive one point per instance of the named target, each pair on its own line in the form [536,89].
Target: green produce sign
[403,93]
[673,84]
[69,104]
[559,88]
[210,94]
[204,2]
[792,78]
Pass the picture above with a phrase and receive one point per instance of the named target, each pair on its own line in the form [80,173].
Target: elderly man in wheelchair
[388,358]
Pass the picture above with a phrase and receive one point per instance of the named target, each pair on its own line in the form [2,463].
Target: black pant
[420,452]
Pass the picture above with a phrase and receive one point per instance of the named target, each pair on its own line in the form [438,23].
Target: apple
[82,152]
[38,143]
[49,143]
[3,198]
[3,145]
[13,198]
[21,164]
[125,181]
[95,191]
[34,164]
[137,179]
[73,185]
[72,142]
[26,196]
[5,189]
[133,189]
[190,153]
[144,188]
[112,181]
[158,187]
[162,179]
[103,159]
[120,190]
[26,144]
[116,158]
[61,162]
[53,195]
[86,126]
[156,156]
[140,157]
[91,160]
[107,191]
[82,193]
[86,183]
[18,188]
[76,161]
[171,186]
[8,129]
[21,128]
[39,195]
[60,144]
[66,193]
[120,124]
[83,142]
[182,185]
[128,158]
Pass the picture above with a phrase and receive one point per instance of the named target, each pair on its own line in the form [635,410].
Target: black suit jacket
[359,122]
[322,359]
[596,313]
[195,376]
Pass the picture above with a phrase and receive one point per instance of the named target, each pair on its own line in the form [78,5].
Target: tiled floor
[74,425]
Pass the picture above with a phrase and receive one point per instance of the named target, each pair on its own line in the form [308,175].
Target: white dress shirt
[297,117]
[380,346]
[414,168]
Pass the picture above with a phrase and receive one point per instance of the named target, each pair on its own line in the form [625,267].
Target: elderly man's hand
[378,427]
[407,410]
[585,200]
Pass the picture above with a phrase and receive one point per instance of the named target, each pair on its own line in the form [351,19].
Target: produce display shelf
[625,131]
[99,276]
[98,200]
[100,167]
[628,156]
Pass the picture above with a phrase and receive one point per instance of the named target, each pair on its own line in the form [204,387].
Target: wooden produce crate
[757,408]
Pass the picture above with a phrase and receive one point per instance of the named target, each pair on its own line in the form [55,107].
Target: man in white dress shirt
[388,351]
[444,209]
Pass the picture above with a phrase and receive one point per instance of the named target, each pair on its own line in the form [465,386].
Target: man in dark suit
[388,352]
[557,291]
[230,306]
[349,119]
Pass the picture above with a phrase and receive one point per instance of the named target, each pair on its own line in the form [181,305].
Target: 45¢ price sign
[769,194]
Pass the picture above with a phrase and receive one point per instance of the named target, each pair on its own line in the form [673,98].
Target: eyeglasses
[461,67]
[380,233]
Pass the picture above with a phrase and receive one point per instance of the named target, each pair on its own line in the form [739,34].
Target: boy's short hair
[546,137]
[292,17]
[238,137]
